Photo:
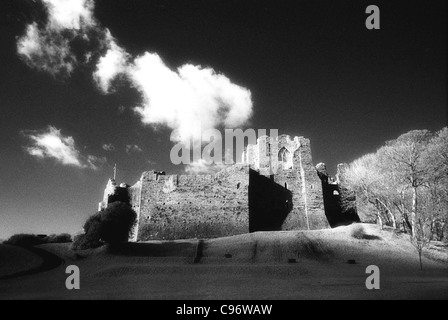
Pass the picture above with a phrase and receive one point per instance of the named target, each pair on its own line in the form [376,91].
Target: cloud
[201,167]
[121,109]
[49,47]
[70,14]
[112,64]
[189,100]
[189,97]
[46,51]
[130,148]
[50,143]
[108,147]
[94,162]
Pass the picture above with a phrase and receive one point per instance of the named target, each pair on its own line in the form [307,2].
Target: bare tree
[366,177]
[436,200]
[405,178]
[422,236]
[406,162]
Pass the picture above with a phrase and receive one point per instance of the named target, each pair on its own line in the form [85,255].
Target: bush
[358,232]
[83,242]
[25,240]
[30,240]
[111,226]
[58,238]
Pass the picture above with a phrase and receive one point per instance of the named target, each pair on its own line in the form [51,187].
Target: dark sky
[312,67]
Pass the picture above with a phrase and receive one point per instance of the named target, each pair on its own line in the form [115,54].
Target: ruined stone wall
[333,191]
[295,172]
[135,200]
[189,206]
[311,188]
[278,188]
[269,203]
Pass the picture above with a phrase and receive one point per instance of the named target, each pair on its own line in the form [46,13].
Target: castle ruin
[276,187]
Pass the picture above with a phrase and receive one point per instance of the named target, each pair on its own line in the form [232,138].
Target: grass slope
[249,266]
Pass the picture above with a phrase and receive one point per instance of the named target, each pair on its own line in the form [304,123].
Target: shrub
[30,240]
[25,240]
[58,238]
[92,226]
[111,225]
[117,222]
[83,242]
[358,232]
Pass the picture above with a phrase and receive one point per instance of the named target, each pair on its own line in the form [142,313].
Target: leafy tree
[25,240]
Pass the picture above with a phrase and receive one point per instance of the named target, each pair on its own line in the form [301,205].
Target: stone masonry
[276,187]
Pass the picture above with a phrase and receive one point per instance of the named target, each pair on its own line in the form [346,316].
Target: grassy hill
[263,265]
[15,260]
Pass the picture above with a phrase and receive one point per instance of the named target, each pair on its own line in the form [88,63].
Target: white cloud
[70,14]
[50,143]
[112,64]
[48,48]
[187,98]
[201,167]
[94,162]
[108,147]
[133,148]
[46,51]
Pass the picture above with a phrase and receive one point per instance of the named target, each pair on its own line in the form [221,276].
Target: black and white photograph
[223,154]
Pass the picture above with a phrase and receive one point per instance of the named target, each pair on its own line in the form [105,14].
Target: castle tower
[288,163]
[109,191]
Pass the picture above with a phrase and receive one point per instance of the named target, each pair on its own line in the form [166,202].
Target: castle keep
[276,187]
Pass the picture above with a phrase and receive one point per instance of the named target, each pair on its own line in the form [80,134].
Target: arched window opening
[284,159]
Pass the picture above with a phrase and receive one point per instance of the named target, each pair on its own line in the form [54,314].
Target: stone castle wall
[277,188]
[179,206]
[295,171]
[334,191]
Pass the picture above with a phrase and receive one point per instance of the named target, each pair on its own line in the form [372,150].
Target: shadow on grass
[371,237]
[50,261]
[359,233]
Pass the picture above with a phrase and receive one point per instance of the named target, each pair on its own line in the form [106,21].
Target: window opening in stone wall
[285,159]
